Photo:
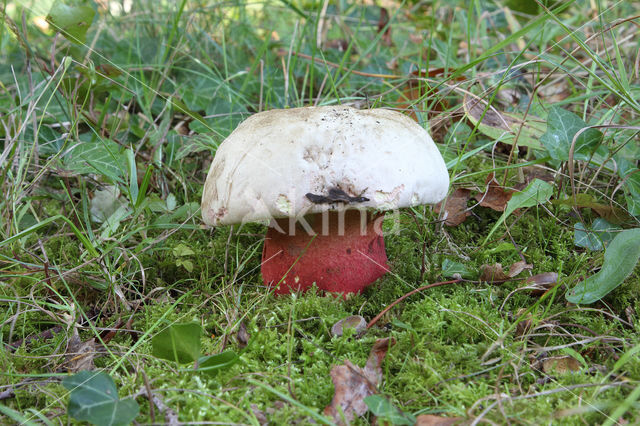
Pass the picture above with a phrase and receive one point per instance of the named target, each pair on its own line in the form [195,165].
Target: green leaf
[102,157]
[72,21]
[133,175]
[182,250]
[382,408]
[596,237]
[178,342]
[94,398]
[213,364]
[537,192]
[452,269]
[632,187]
[17,417]
[562,126]
[620,258]
[186,264]
[146,179]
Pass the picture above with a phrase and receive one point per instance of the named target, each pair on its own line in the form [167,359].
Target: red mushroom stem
[343,253]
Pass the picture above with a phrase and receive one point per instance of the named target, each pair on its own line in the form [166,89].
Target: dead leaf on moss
[243,336]
[382,23]
[455,207]
[495,197]
[431,420]
[495,273]
[610,213]
[536,172]
[80,354]
[560,365]
[340,45]
[524,324]
[538,284]
[353,384]
[260,415]
[355,322]
[503,126]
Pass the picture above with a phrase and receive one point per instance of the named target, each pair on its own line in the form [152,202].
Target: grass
[143,103]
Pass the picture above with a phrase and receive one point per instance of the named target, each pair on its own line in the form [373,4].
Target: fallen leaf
[492,273]
[555,92]
[518,267]
[242,336]
[382,23]
[356,322]
[260,415]
[431,420]
[504,126]
[560,365]
[536,172]
[495,197]
[610,213]
[340,45]
[417,90]
[495,273]
[524,325]
[538,284]
[353,384]
[80,354]
[455,207]
[537,192]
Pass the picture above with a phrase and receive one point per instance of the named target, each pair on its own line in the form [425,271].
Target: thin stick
[412,292]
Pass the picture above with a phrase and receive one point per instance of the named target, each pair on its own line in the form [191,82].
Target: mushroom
[322,178]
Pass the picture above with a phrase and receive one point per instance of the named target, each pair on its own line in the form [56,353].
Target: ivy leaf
[620,258]
[94,398]
[562,126]
[178,342]
[72,21]
[103,157]
[595,237]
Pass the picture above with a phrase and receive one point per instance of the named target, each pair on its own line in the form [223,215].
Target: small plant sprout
[321,178]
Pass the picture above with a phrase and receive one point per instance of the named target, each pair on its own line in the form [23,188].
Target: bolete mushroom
[321,176]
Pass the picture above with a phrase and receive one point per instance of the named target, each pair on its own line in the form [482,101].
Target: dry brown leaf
[524,325]
[540,283]
[455,207]
[242,336]
[555,92]
[80,354]
[353,384]
[495,197]
[492,273]
[560,365]
[382,22]
[355,322]
[495,273]
[340,45]
[260,415]
[518,267]
[431,420]
[535,172]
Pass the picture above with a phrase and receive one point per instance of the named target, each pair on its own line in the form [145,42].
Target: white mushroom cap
[272,160]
